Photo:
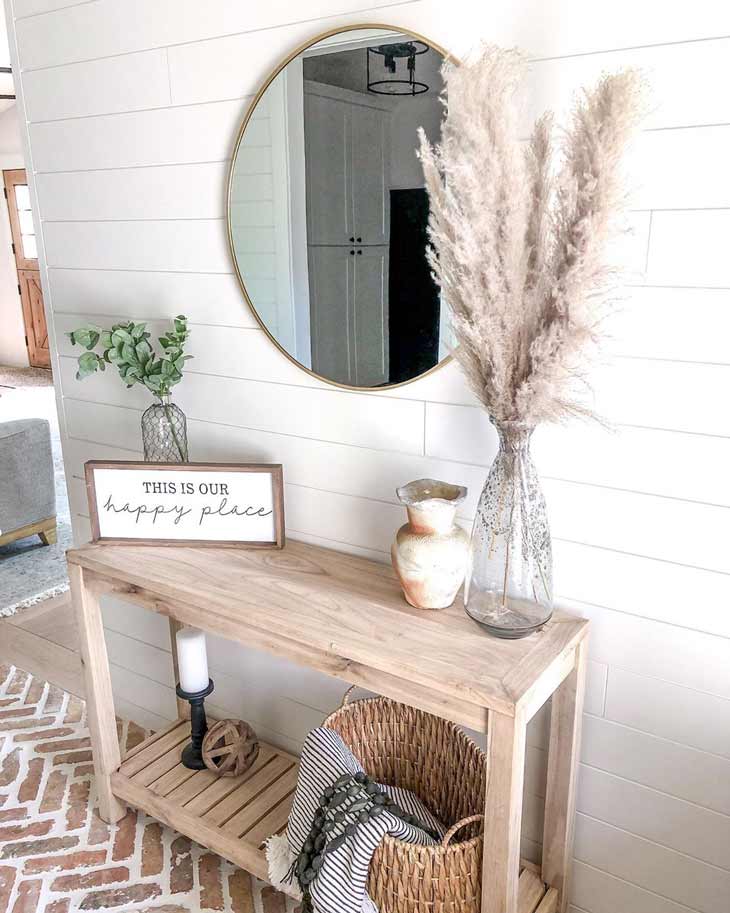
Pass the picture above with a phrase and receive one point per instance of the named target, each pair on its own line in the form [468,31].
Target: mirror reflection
[328,211]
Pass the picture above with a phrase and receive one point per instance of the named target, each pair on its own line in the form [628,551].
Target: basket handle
[449,835]
[346,697]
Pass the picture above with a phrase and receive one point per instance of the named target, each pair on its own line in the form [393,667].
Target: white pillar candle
[192,660]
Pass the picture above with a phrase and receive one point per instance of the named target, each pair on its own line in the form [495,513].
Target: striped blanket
[340,882]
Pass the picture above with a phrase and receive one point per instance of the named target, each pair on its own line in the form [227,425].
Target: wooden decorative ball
[230,747]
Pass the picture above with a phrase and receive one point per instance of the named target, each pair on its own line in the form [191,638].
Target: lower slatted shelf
[232,816]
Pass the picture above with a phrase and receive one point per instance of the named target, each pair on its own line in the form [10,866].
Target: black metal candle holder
[192,756]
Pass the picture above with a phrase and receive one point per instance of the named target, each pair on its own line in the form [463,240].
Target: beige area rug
[30,571]
[25,377]
[57,856]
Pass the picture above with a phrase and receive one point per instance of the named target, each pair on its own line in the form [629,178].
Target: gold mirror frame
[239,138]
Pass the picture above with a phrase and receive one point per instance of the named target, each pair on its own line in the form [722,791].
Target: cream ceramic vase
[430,551]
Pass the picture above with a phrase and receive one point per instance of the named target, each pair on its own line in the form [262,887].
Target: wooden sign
[216,504]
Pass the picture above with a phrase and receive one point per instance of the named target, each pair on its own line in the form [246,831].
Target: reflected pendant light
[391,55]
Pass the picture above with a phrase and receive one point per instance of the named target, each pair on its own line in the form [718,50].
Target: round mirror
[328,213]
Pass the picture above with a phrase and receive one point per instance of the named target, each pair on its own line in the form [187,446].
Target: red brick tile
[10,768]
[54,700]
[152,854]
[13,725]
[181,871]
[15,712]
[43,733]
[211,886]
[165,908]
[80,881]
[26,900]
[273,901]
[80,860]
[7,881]
[13,814]
[77,809]
[124,837]
[118,897]
[16,831]
[58,906]
[240,889]
[63,745]
[37,847]
[54,792]
[74,710]
[29,787]
[73,757]
[18,682]
[98,830]
[35,692]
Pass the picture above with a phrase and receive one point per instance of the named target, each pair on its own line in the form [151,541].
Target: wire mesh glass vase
[509,578]
[164,433]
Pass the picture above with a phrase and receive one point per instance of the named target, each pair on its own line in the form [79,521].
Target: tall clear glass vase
[164,433]
[508,586]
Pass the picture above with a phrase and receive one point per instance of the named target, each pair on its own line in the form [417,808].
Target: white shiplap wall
[132,107]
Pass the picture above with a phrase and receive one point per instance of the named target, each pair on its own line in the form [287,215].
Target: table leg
[99,698]
[565,723]
[183,706]
[503,812]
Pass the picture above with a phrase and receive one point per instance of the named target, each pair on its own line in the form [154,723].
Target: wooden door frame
[11,179]
[27,271]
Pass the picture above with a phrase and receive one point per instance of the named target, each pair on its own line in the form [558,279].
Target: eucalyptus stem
[183,456]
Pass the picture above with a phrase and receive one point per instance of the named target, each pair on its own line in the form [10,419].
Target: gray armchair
[27,489]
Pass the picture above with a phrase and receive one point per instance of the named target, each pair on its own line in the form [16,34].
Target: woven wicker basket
[433,758]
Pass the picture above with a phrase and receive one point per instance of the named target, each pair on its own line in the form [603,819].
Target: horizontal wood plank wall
[131,110]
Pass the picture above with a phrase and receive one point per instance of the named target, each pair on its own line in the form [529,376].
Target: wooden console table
[346,617]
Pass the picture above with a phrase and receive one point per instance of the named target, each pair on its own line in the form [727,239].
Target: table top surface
[340,605]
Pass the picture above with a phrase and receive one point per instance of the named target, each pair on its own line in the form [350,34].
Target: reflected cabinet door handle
[352,240]
[360,252]
[352,253]
[359,240]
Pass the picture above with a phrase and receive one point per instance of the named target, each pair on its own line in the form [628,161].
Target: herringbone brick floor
[57,856]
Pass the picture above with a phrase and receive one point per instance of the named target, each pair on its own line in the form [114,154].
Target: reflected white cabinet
[369,361]
[349,307]
[370,158]
[347,149]
[327,141]
[330,293]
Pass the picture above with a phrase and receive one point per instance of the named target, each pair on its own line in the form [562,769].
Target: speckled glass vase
[164,433]
[509,579]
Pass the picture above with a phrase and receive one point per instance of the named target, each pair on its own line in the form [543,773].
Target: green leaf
[180,325]
[106,339]
[153,383]
[155,367]
[167,367]
[88,363]
[128,353]
[138,331]
[86,336]
[144,351]
[121,335]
